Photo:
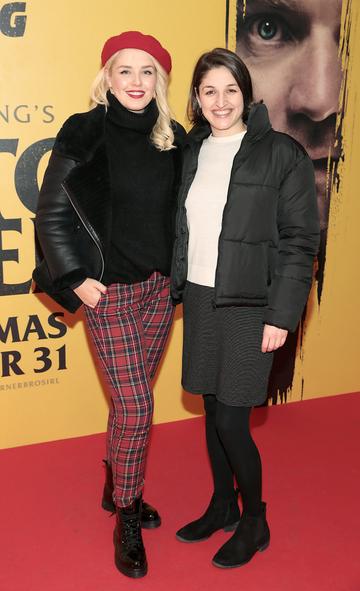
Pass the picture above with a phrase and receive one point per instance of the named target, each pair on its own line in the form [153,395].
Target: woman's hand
[273,338]
[90,291]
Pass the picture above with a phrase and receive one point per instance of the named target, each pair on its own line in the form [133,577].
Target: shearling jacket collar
[83,133]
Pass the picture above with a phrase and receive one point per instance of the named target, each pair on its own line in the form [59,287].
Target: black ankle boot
[251,535]
[220,514]
[130,557]
[150,518]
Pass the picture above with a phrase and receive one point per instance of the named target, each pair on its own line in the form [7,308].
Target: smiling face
[132,78]
[291,50]
[221,102]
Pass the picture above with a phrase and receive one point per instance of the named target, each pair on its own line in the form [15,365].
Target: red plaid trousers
[129,327]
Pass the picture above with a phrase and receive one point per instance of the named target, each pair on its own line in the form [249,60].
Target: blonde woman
[105,226]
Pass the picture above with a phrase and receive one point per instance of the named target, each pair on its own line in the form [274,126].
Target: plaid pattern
[129,327]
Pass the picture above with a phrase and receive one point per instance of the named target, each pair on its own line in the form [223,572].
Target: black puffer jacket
[73,220]
[270,227]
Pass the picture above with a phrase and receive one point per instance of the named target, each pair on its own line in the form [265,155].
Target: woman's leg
[157,316]
[223,476]
[119,339]
[223,511]
[252,533]
[232,423]
[120,344]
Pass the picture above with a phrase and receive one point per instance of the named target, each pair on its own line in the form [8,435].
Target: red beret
[136,40]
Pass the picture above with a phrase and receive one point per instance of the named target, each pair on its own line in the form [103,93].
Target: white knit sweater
[205,204]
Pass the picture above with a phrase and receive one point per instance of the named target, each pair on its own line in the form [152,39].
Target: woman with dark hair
[105,226]
[247,233]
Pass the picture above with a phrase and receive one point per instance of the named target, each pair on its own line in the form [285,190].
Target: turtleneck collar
[122,117]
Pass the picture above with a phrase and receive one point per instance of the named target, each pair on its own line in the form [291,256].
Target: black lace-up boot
[150,517]
[130,557]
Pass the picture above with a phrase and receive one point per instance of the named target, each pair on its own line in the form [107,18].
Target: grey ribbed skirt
[222,350]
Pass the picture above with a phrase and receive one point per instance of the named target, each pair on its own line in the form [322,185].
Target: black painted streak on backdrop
[334,181]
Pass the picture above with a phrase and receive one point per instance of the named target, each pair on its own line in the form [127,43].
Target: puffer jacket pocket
[243,270]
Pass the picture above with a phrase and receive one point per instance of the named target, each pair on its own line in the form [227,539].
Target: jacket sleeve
[298,226]
[56,224]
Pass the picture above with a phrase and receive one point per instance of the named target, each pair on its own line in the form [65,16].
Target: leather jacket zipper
[91,233]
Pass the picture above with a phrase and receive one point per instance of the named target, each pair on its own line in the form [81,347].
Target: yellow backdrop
[49,388]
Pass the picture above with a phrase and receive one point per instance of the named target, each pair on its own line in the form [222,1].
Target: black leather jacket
[73,221]
[270,227]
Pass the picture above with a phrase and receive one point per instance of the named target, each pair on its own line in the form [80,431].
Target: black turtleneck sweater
[142,180]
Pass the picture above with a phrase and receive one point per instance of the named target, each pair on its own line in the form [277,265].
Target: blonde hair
[162,135]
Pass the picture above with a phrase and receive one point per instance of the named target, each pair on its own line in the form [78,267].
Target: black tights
[232,451]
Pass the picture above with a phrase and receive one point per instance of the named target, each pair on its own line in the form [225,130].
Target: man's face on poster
[291,49]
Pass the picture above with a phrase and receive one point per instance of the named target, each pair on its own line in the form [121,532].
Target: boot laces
[132,532]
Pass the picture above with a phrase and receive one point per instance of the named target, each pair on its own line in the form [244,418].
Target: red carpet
[55,537]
